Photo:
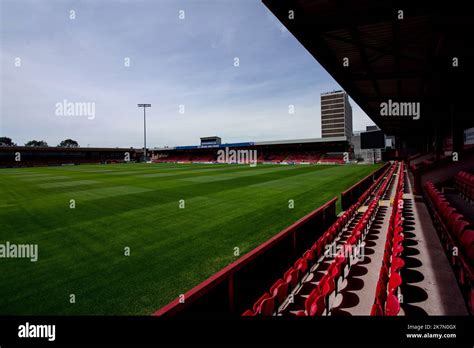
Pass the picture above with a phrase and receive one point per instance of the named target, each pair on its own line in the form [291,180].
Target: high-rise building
[336,115]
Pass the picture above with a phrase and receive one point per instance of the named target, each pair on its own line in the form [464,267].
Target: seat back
[376,310]
[392,306]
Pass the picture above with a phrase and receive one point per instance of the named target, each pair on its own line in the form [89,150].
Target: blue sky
[173,62]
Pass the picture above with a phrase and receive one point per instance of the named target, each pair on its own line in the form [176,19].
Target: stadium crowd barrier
[456,235]
[352,194]
[298,276]
[386,293]
[234,288]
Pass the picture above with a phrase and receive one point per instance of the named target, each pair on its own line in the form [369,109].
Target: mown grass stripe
[81,250]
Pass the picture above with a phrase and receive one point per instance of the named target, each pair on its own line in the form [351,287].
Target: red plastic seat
[309,256]
[398,239]
[332,232]
[376,310]
[291,277]
[318,306]
[397,264]
[324,241]
[384,273]
[446,211]
[310,299]
[458,228]
[352,240]
[337,266]
[467,242]
[279,290]
[381,292]
[397,250]
[341,260]
[329,285]
[334,271]
[392,306]
[453,219]
[262,305]
[357,235]
[316,249]
[302,266]
[314,304]
[386,259]
[267,307]
[394,282]
[398,230]
[322,282]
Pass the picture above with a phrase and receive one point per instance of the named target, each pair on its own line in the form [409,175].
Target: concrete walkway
[430,286]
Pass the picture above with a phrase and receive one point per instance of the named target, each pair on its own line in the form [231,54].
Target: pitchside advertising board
[372,140]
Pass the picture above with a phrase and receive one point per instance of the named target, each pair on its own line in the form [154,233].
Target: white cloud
[173,62]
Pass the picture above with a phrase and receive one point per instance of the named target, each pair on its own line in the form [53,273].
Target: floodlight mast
[144,106]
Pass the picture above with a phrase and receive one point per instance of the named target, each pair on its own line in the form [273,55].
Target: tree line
[6,141]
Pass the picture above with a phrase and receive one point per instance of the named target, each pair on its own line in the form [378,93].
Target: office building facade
[336,115]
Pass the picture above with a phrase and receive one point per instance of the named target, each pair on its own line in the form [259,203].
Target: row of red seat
[268,303]
[457,236]
[317,303]
[307,157]
[186,157]
[332,158]
[464,183]
[271,156]
[386,299]
[293,157]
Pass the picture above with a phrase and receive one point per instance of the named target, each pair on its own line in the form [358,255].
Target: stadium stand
[301,282]
[334,276]
[271,156]
[332,158]
[302,151]
[312,285]
[456,234]
[464,183]
[56,156]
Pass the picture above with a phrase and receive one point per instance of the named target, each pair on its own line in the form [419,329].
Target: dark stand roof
[408,60]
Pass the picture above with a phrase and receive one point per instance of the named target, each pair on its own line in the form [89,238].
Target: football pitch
[129,238]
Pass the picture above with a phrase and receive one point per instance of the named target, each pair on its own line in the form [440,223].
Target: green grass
[81,250]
